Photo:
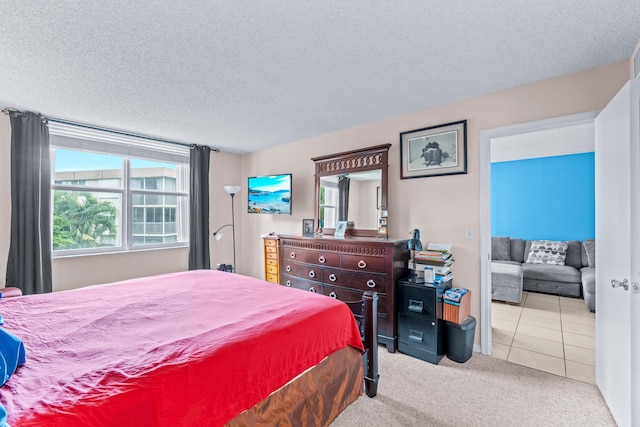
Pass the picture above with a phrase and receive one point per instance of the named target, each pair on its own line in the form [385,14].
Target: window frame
[126,192]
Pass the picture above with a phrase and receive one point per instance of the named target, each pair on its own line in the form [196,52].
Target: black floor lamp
[232,190]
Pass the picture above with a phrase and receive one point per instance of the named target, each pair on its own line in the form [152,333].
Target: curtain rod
[6,111]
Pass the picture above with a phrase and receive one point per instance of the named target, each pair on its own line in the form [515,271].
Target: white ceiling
[242,76]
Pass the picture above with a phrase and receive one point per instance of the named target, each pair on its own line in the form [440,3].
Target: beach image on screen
[270,194]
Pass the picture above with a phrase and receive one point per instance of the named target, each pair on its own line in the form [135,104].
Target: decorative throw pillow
[547,252]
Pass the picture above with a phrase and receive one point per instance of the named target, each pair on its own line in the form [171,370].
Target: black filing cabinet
[421,330]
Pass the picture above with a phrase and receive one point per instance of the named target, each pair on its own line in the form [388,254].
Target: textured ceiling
[242,76]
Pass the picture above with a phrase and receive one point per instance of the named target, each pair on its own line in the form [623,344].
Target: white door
[617,158]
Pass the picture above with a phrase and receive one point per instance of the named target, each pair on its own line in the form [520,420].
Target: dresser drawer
[349,295]
[417,300]
[272,269]
[293,254]
[417,332]
[363,263]
[273,278]
[355,279]
[329,259]
[271,249]
[305,271]
[271,242]
[271,261]
[299,283]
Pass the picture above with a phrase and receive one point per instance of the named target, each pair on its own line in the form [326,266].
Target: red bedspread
[184,349]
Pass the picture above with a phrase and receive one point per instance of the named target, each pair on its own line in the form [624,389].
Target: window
[113,192]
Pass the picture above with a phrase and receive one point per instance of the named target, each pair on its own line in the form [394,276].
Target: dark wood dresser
[344,268]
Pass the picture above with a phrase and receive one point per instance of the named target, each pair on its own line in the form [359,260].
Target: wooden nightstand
[421,330]
[272,259]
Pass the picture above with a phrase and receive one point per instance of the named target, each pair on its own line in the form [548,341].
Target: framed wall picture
[341,227]
[434,151]
[307,227]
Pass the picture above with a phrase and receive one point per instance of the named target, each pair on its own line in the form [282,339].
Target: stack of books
[434,263]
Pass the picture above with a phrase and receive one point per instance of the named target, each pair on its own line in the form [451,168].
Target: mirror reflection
[353,197]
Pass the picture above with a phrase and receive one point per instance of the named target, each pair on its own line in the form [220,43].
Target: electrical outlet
[468,233]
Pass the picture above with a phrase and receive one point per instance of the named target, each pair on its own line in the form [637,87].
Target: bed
[201,348]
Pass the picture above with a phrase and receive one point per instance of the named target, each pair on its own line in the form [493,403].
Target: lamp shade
[232,189]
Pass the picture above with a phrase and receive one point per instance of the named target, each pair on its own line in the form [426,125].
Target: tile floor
[546,332]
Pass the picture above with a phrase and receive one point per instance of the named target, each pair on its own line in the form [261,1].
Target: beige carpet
[484,391]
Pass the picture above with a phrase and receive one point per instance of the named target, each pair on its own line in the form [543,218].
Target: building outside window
[110,194]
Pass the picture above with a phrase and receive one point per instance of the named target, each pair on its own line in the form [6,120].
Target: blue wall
[544,198]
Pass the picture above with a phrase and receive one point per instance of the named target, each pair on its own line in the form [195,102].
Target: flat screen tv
[270,194]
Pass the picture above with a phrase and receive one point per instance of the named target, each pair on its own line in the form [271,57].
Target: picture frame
[307,227]
[434,151]
[341,227]
[378,197]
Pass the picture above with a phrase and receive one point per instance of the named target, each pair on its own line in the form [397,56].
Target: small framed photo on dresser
[341,227]
[307,227]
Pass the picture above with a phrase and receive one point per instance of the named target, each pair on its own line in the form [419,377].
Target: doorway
[499,139]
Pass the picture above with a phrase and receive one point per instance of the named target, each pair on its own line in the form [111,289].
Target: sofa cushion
[549,272]
[589,253]
[588,279]
[547,252]
[574,254]
[517,250]
[500,249]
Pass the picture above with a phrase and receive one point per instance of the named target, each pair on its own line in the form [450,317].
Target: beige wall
[411,201]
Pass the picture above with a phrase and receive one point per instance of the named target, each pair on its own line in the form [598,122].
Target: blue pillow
[12,355]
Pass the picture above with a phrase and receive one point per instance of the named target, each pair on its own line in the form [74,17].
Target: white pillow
[547,252]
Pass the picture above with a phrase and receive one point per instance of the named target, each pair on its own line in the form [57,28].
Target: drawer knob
[288,268]
[292,255]
[362,264]
[312,274]
[371,283]
[333,295]
[312,289]
[288,283]
[322,259]
[333,277]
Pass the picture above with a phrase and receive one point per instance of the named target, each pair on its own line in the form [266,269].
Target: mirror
[352,187]
[362,202]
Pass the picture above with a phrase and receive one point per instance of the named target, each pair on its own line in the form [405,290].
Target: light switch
[468,233]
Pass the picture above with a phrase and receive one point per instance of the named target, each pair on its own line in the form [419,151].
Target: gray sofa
[511,274]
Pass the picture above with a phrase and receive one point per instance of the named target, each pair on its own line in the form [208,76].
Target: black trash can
[460,339]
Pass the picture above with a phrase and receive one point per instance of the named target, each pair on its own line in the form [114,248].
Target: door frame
[485,205]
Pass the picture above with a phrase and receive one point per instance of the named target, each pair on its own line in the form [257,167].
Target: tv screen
[270,194]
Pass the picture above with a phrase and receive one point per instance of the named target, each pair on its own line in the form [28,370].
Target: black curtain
[199,208]
[29,261]
[343,198]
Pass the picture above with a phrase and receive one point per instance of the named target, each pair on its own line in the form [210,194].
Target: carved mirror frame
[366,159]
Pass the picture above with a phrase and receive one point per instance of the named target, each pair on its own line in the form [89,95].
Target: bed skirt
[314,398]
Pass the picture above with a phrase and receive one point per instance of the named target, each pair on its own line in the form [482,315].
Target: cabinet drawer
[417,332]
[272,255]
[271,261]
[273,269]
[330,259]
[271,249]
[273,278]
[363,263]
[299,283]
[305,271]
[417,300]
[355,279]
[293,254]
[270,242]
